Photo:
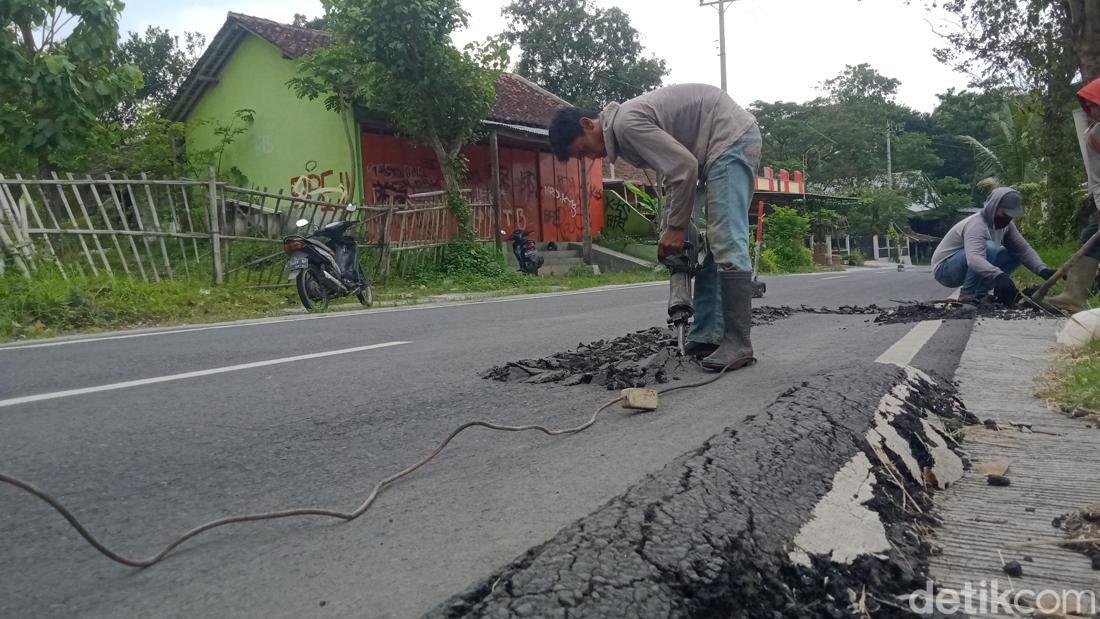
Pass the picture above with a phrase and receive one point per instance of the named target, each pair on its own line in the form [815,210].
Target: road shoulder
[1052,471]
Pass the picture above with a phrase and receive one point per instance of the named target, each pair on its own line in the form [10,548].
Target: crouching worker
[707,147]
[981,251]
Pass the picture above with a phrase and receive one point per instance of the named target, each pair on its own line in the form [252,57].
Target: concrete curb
[713,532]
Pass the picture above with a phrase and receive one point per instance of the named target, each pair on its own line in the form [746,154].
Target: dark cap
[1012,204]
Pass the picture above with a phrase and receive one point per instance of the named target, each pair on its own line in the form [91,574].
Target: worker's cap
[1012,204]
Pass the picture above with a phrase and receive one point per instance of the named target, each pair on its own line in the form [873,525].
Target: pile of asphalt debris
[650,357]
[954,310]
[634,360]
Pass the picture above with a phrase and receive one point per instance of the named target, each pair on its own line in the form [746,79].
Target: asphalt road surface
[147,436]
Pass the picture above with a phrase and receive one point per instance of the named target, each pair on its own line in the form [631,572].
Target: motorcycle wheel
[366,296]
[314,296]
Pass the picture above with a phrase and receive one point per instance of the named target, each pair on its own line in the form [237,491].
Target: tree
[958,113]
[164,64]
[587,55]
[54,87]
[407,69]
[788,142]
[1009,155]
[1036,46]
[877,210]
[1012,40]
[317,23]
[861,84]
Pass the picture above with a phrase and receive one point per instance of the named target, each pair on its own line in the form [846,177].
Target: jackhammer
[682,268]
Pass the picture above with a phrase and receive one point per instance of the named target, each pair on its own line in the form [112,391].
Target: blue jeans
[723,199]
[954,272]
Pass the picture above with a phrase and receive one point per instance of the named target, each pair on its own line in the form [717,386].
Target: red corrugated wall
[537,192]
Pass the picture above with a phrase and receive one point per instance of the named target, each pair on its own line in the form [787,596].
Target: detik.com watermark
[994,597]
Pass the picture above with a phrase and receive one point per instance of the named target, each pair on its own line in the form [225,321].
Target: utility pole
[721,4]
[889,158]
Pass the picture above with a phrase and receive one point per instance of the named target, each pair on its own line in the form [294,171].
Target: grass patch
[1075,382]
[49,305]
[1054,256]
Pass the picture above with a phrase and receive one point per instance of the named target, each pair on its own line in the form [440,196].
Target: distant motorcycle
[325,265]
[527,255]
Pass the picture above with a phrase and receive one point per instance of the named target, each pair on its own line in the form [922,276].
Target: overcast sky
[776,49]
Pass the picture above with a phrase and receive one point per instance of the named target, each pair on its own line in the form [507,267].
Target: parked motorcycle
[527,255]
[325,265]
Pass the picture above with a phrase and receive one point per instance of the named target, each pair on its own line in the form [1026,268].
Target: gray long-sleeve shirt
[971,234]
[1092,161]
[679,131]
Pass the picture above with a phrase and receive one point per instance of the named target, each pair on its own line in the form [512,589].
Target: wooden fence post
[586,239]
[494,151]
[215,228]
[384,241]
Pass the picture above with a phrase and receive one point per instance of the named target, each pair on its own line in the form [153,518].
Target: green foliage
[227,134]
[1022,43]
[876,210]
[316,23]
[1036,226]
[856,258]
[645,205]
[164,64]
[464,214]
[968,113]
[151,144]
[397,60]
[1038,47]
[1011,156]
[53,85]
[586,54]
[1075,383]
[769,262]
[472,259]
[840,138]
[785,234]
[49,305]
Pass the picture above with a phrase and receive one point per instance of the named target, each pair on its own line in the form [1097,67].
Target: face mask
[1001,223]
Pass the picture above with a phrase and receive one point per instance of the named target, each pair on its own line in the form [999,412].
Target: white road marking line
[825,279]
[274,321]
[903,350]
[196,374]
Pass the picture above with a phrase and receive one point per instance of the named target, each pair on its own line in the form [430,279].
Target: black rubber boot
[699,349]
[735,350]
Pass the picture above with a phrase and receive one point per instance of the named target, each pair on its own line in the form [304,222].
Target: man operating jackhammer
[1082,273]
[981,251]
[707,147]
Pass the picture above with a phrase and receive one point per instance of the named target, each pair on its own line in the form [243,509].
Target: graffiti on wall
[314,185]
[563,197]
[616,213]
[394,183]
[514,219]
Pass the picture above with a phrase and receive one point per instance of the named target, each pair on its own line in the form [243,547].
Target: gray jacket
[971,234]
[679,131]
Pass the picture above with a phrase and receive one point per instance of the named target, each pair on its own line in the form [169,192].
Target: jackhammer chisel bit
[682,268]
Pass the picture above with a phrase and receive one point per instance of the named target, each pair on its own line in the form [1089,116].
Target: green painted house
[299,148]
